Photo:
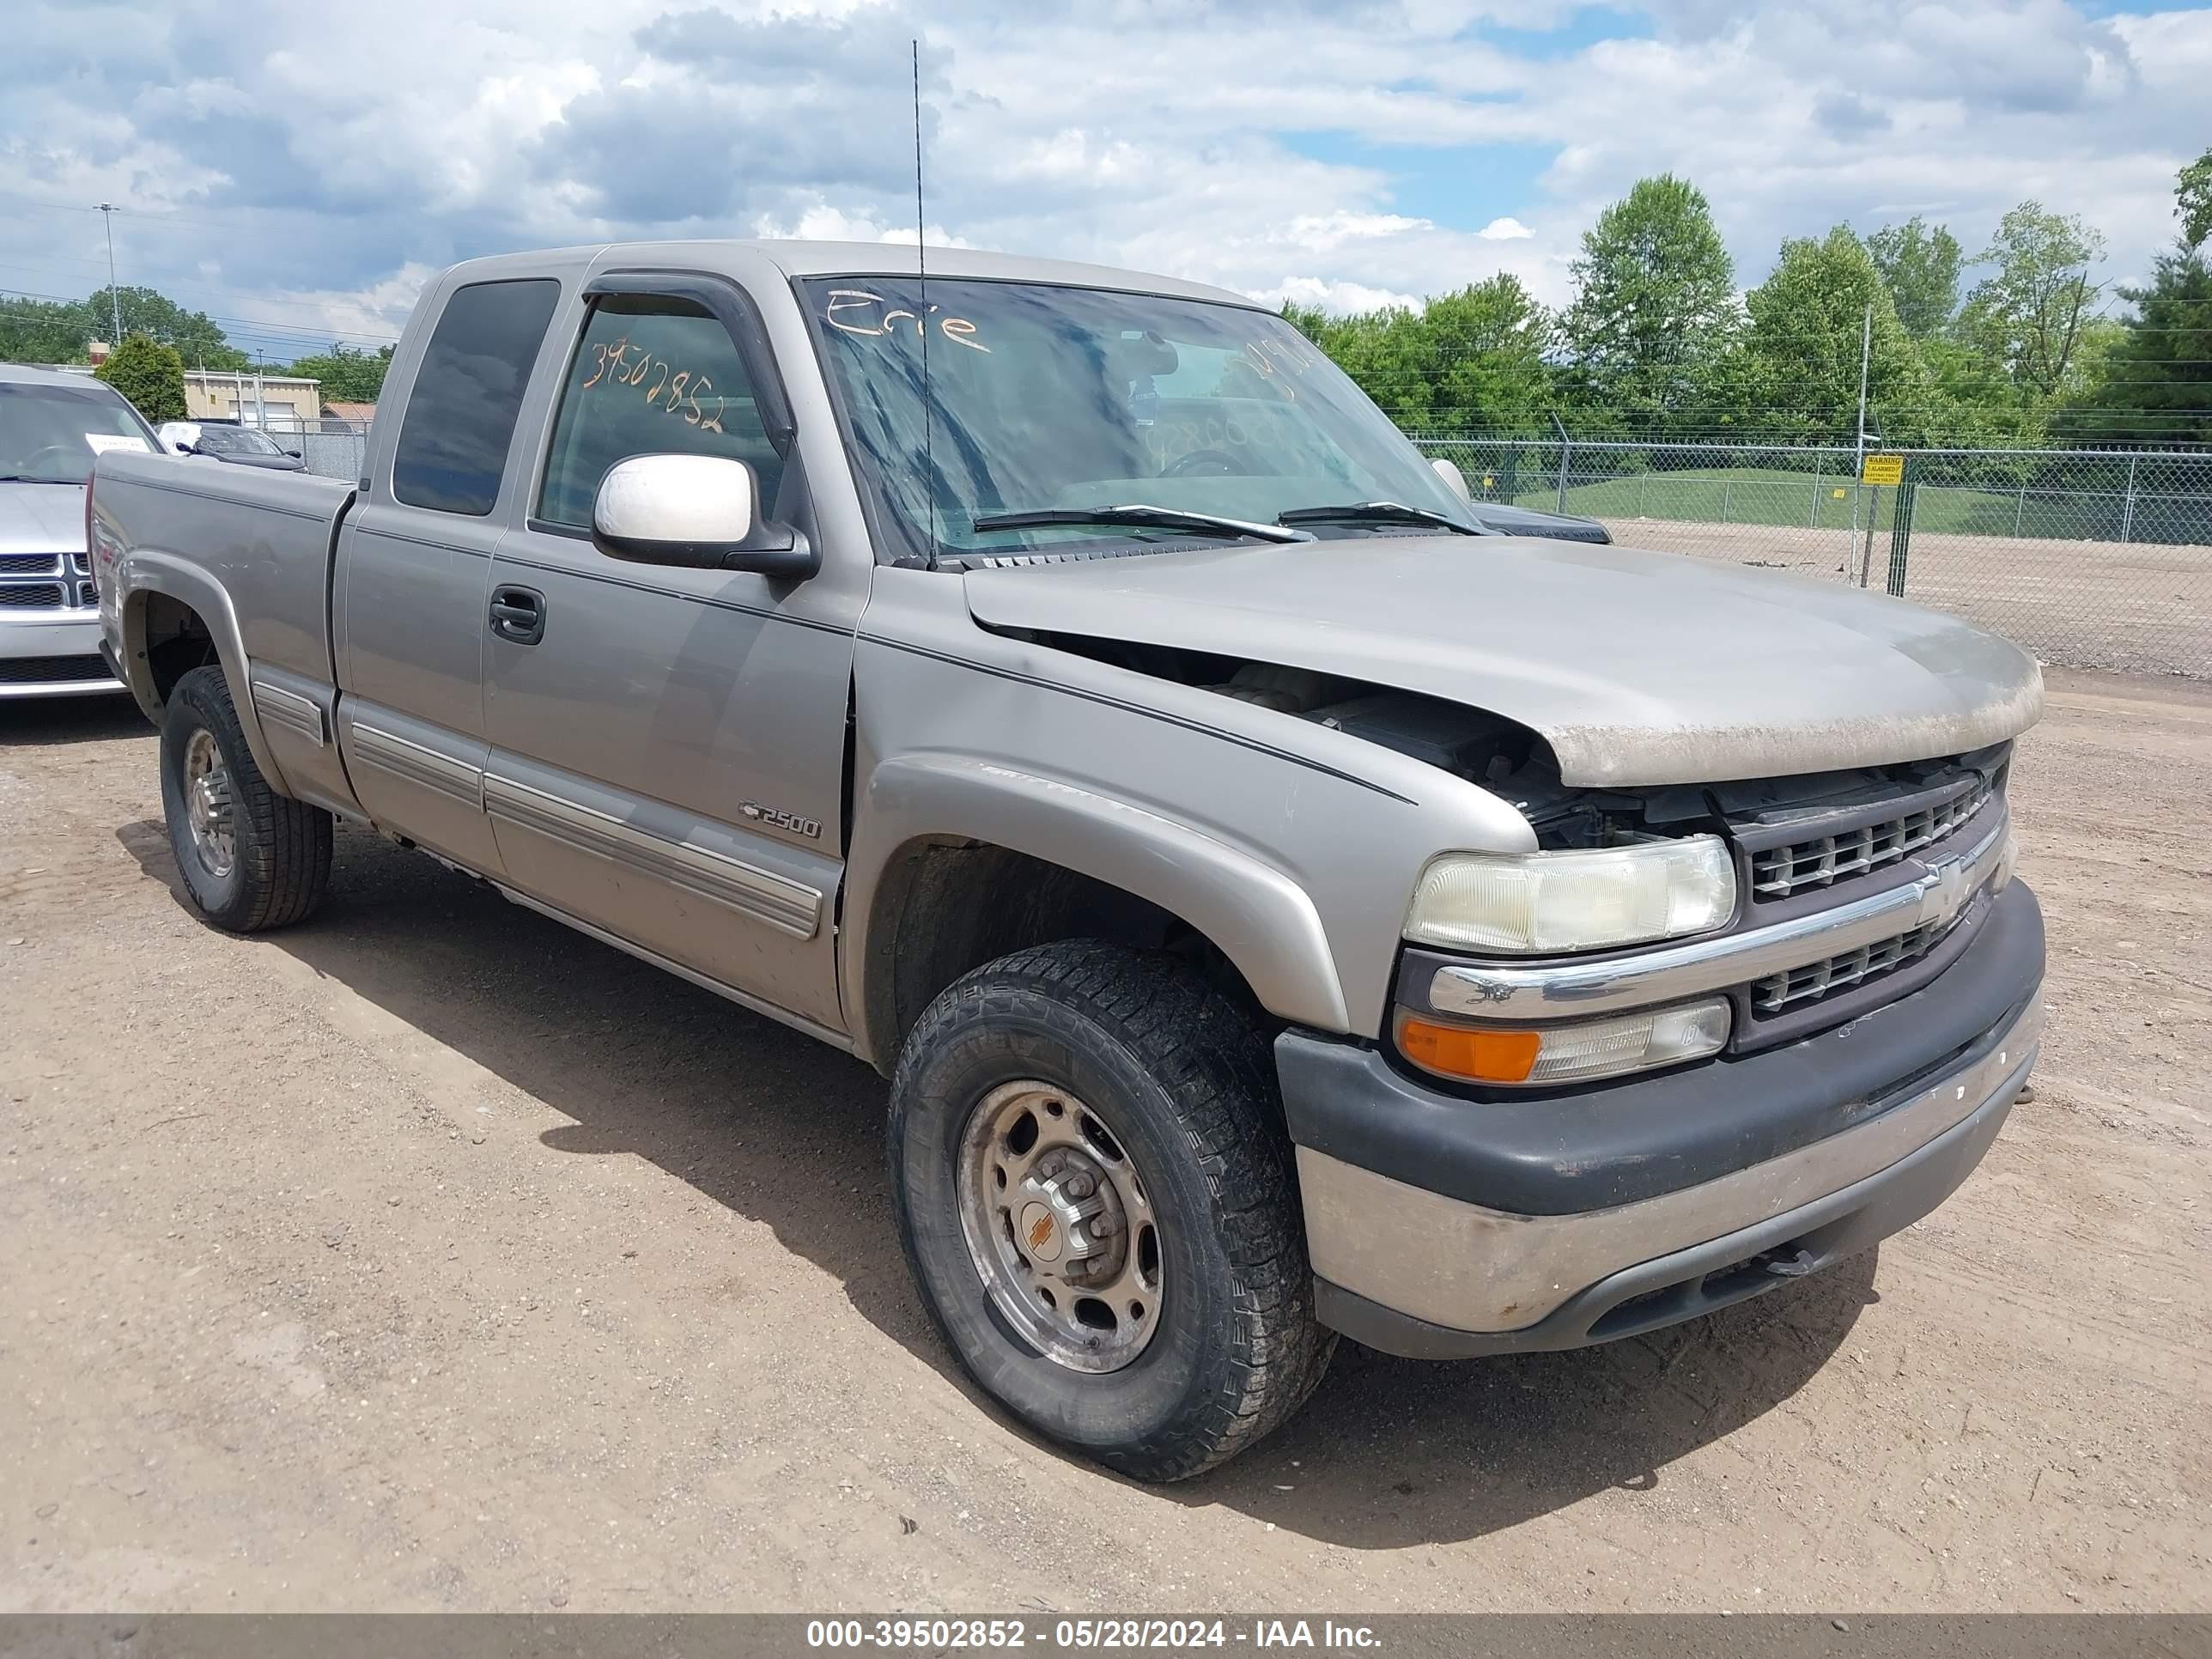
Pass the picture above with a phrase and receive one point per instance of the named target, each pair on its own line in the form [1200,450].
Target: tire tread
[284,861]
[1217,1071]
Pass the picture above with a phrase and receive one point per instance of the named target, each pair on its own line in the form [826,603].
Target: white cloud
[1334,296]
[313,164]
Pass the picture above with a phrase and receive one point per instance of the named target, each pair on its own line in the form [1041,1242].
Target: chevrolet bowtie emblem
[1943,891]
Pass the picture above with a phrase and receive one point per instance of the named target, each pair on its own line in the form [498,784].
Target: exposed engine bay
[1516,764]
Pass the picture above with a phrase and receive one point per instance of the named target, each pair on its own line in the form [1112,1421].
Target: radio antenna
[921,271]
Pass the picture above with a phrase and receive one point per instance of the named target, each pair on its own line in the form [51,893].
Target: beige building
[287,401]
[217,395]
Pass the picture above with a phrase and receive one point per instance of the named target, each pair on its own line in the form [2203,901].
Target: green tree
[2193,202]
[1974,400]
[1919,266]
[347,376]
[59,331]
[42,331]
[1802,347]
[1488,357]
[1655,307]
[150,374]
[1383,354]
[2155,379]
[1475,358]
[2030,313]
[200,342]
[2157,382]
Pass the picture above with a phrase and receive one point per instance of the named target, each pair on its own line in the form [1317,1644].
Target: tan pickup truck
[1281,906]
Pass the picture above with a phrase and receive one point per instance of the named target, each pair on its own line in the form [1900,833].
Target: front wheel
[249,858]
[1094,1191]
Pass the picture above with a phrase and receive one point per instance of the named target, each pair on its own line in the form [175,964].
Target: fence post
[2020,511]
[1900,528]
[1724,500]
[2128,509]
[1566,447]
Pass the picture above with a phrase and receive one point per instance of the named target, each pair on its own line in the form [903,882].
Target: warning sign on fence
[1883,470]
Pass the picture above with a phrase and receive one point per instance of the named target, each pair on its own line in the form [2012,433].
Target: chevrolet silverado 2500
[1281,906]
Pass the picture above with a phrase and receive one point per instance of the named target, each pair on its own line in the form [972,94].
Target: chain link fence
[334,449]
[2091,559]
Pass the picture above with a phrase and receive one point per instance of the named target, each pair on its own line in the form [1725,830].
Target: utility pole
[114,299]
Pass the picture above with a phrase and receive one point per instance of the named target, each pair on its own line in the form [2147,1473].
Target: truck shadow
[779,1129]
[38,722]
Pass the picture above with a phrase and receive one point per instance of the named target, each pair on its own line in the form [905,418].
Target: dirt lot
[431,1256]
[2133,606]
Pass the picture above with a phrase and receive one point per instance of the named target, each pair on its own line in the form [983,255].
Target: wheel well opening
[174,640]
[946,906]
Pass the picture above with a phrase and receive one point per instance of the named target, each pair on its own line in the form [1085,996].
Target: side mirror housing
[1454,477]
[295,454]
[695,512]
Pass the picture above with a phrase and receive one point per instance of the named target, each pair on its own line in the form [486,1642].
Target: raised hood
[1638,668]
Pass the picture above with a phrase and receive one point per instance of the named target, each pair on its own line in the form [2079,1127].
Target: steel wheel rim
[1060,1227]
[208,806]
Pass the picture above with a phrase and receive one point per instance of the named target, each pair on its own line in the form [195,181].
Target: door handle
[518,614]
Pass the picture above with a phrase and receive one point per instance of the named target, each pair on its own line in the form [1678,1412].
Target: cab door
[667,745]
[414,567]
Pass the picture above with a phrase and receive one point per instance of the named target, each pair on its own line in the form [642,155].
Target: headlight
[1576,899]
[1577,1051]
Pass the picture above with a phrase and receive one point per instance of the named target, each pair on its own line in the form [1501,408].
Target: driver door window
[652,375]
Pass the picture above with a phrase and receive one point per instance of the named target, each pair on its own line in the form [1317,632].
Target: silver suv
[53,425]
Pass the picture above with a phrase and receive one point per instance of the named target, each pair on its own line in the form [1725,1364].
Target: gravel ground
[430,1256]
[2134,606]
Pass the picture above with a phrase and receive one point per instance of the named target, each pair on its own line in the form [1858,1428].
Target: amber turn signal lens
[1479,1055]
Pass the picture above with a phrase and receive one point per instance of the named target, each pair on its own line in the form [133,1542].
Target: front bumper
[54,656]
[1440,1226]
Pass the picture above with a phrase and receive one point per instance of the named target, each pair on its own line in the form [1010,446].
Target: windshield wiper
[25,477]
[1377,513]
[1139,515]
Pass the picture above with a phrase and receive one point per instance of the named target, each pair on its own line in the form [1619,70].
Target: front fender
[1262,919]
[144,572]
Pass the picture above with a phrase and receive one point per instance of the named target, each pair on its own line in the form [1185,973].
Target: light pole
[114,299]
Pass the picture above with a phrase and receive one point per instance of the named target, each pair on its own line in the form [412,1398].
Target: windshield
[235,440]
[1046,397]
[52,434]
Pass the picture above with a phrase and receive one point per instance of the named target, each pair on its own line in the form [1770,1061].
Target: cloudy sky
[296,169]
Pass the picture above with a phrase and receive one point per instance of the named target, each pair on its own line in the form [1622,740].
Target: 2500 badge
[777,818]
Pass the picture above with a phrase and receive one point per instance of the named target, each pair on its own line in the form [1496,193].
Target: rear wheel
[1095,1195]
[249,858]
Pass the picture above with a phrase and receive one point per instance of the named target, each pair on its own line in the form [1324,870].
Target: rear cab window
[461,412]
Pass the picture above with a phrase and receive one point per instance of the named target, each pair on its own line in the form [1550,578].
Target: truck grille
[1776,992]
[30,596]
[30,564]
[1823,861]
[52,671]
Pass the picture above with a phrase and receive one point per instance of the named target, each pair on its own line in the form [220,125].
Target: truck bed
[265,537]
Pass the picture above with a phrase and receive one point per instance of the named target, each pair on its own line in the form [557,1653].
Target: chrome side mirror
[1453,478]
[695,512]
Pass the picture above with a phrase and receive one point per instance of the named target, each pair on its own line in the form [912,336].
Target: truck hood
[1637,668]
[41,518]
